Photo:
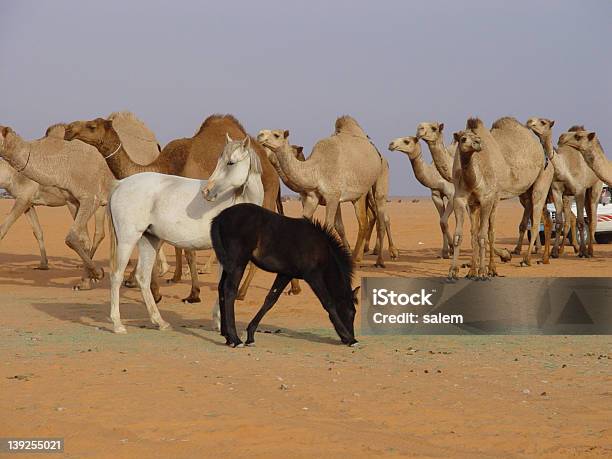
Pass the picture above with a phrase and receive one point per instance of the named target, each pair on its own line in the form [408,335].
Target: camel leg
[393,251]
[538,202]
[371,211]
[339,225]
[208,266]
[492,270]
[178,269]
[547,236]
[17,211]
[486,213]
[460,206]
[99,218]
[78,240]
[593,195]
[524,199]
[309,205]
[475,218]
[362,217]
[448,210]
[580,201]
[380,196]
[163,267]
[571,226]
[146,270]
[194,294]
[38,234]
[242,291]
[439,203]
[560,216]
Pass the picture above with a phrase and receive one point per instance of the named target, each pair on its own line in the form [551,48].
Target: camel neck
[120,163]
[300,173]
[441,158]
[601,166]
[16,152]
[562,171]
[422,171]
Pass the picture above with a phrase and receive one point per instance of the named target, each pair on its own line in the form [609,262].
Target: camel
[194,157]
[78,171]
[593,154]
[572,177]
[489,166]
[341,168]
[149,208]
[428,176]
[443,157]
[298,152]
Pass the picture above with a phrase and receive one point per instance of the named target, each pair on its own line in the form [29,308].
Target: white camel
[149,208]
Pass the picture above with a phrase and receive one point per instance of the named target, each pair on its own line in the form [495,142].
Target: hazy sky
[299,65]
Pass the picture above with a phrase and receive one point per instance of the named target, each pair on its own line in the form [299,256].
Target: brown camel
[72,167]
[194,157]
[573,177]
[489,166]
[341,168]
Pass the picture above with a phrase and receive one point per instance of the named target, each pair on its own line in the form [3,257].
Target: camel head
[582,141]
[234,166]
[430,132]
[564,137]
[409,145]
[540,126]
[468,143]
[92,132]
[5,131]
[273,139]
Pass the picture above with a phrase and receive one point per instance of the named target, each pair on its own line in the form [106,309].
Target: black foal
[294,248]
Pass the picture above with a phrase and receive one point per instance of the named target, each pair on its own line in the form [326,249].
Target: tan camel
[298,152]
[443,156]
[428,176]
[489,166]
[573,177]
[593,154]
[194,157]
[341,168]
[74,168]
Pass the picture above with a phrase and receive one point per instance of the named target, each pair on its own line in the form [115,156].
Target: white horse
[149,208]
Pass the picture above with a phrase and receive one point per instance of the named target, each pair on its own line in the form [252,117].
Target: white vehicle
[603,232]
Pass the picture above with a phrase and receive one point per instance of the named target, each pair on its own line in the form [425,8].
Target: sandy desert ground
[298,393]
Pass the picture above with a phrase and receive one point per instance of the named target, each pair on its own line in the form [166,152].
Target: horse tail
[279,203]
[217,240]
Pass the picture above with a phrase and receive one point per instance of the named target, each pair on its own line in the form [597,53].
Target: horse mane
[340,254]
[219,118]
[348,125]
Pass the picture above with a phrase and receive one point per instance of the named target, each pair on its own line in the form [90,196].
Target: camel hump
[56,130]
[506,122]
[474,123]
[348,125]
[137,139]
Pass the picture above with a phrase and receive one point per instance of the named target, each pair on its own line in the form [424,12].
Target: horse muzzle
[209,195]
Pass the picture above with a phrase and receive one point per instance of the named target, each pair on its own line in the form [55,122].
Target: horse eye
[229,163]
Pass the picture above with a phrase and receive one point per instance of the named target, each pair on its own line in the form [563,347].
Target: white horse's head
[234,166]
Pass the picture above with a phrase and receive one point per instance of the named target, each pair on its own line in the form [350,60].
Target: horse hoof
[354,344]
[120,330]
[250,343]
[235,345]
[192,299]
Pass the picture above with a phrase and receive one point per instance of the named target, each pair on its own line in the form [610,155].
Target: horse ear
[228,139]
[441,127]
[246,143]
[286,133]
[356,294]
[591,136]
